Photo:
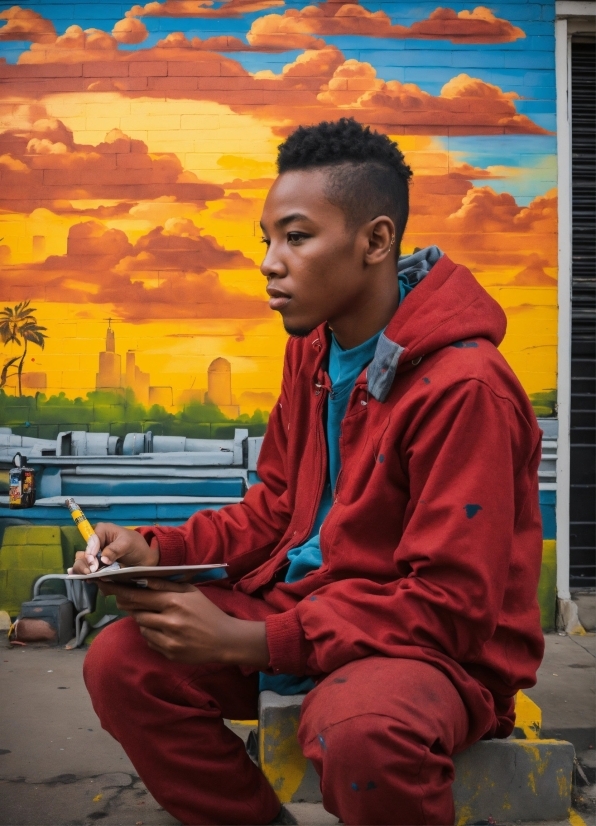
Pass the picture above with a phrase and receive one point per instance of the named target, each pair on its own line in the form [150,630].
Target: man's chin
[297,332]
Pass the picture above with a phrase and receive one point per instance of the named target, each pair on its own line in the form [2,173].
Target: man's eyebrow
[295,216]
[287,219]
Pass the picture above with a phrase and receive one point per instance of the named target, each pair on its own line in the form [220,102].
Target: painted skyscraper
[108,377]
[219,384]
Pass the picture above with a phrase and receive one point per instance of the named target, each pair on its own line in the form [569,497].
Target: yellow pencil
[81,522]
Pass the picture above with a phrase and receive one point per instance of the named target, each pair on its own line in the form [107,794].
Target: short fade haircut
[368,174]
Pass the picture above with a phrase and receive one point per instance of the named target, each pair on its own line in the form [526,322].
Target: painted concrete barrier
[512,780]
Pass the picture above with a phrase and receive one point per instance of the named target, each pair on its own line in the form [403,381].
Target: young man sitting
[387,563]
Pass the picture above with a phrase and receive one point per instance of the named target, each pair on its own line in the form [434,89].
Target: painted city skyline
[118,372]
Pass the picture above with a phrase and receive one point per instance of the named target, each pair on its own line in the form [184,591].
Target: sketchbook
[173,573]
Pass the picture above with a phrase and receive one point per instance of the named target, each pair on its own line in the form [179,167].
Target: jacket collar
[411,270]
[448,307]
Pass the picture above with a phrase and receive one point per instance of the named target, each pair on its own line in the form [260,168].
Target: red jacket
[432,548]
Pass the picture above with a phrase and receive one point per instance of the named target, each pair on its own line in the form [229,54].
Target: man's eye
[296,238]
[265,241]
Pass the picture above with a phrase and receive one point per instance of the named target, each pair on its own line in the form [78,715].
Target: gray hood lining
[381,371]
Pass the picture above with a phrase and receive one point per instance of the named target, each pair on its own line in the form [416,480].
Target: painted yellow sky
[218,146]
[200,133]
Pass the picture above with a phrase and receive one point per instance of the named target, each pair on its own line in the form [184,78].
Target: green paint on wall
[547,586]
[118,413]
[544,403]
[26,554]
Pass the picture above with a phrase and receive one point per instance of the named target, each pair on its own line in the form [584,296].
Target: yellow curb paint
[253,723]
[563,783]
[575,819]
[281,759]
[528,716]
[465,816]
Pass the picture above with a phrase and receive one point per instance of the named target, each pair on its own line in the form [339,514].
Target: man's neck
[372,313]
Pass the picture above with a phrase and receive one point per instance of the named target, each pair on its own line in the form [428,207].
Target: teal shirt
[344,368]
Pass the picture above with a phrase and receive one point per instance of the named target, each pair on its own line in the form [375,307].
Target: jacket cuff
[172,549]
[287,643]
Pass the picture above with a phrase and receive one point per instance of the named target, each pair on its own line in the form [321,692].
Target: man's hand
[117,543]
[181,623]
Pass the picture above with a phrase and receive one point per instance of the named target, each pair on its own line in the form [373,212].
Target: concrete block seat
[522,778]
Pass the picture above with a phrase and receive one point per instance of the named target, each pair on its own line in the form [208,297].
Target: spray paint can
[21,491]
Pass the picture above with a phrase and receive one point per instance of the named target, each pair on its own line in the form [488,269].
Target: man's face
[314,261]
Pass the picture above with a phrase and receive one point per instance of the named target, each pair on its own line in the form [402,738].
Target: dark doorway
[583,314]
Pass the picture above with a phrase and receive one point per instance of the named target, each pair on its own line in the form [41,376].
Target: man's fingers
[158,584]
[111,538]
[149,619]
[80,564]
[131,598]
[90,553]
[105,532]
[93,545]
[157,641]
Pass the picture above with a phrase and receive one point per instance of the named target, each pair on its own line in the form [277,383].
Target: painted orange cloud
[101,212]
[130,31]
[484,211]
[90,243]
[166,274]
[306,91]
[533,274]
[238,208]
[310,70]
[477,26]
[26,24]
[466,170]
[438,188]
[181,247]
[201,8]
[219,43]
[42,164]
[170,8]
[483,228]
[252,183]
[90,42]
[466,105]
[433,198]
[227,43]
[336,18]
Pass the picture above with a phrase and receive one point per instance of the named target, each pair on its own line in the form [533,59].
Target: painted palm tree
[19,325]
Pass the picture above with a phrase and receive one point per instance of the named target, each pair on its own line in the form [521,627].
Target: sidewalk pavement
[57,766]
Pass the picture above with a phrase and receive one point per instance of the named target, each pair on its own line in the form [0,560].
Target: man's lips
[278,300]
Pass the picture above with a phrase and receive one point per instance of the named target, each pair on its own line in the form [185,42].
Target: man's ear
[380,233]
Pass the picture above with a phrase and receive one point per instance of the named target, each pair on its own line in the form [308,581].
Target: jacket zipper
[319,454]
[341,457]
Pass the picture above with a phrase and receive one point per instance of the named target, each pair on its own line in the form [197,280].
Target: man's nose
[272,266]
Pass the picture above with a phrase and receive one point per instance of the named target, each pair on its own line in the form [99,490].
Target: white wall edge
[562,59]
[573,8]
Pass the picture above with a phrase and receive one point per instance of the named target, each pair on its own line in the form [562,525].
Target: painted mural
[137,144]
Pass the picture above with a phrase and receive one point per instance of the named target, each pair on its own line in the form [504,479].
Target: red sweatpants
[379,731]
